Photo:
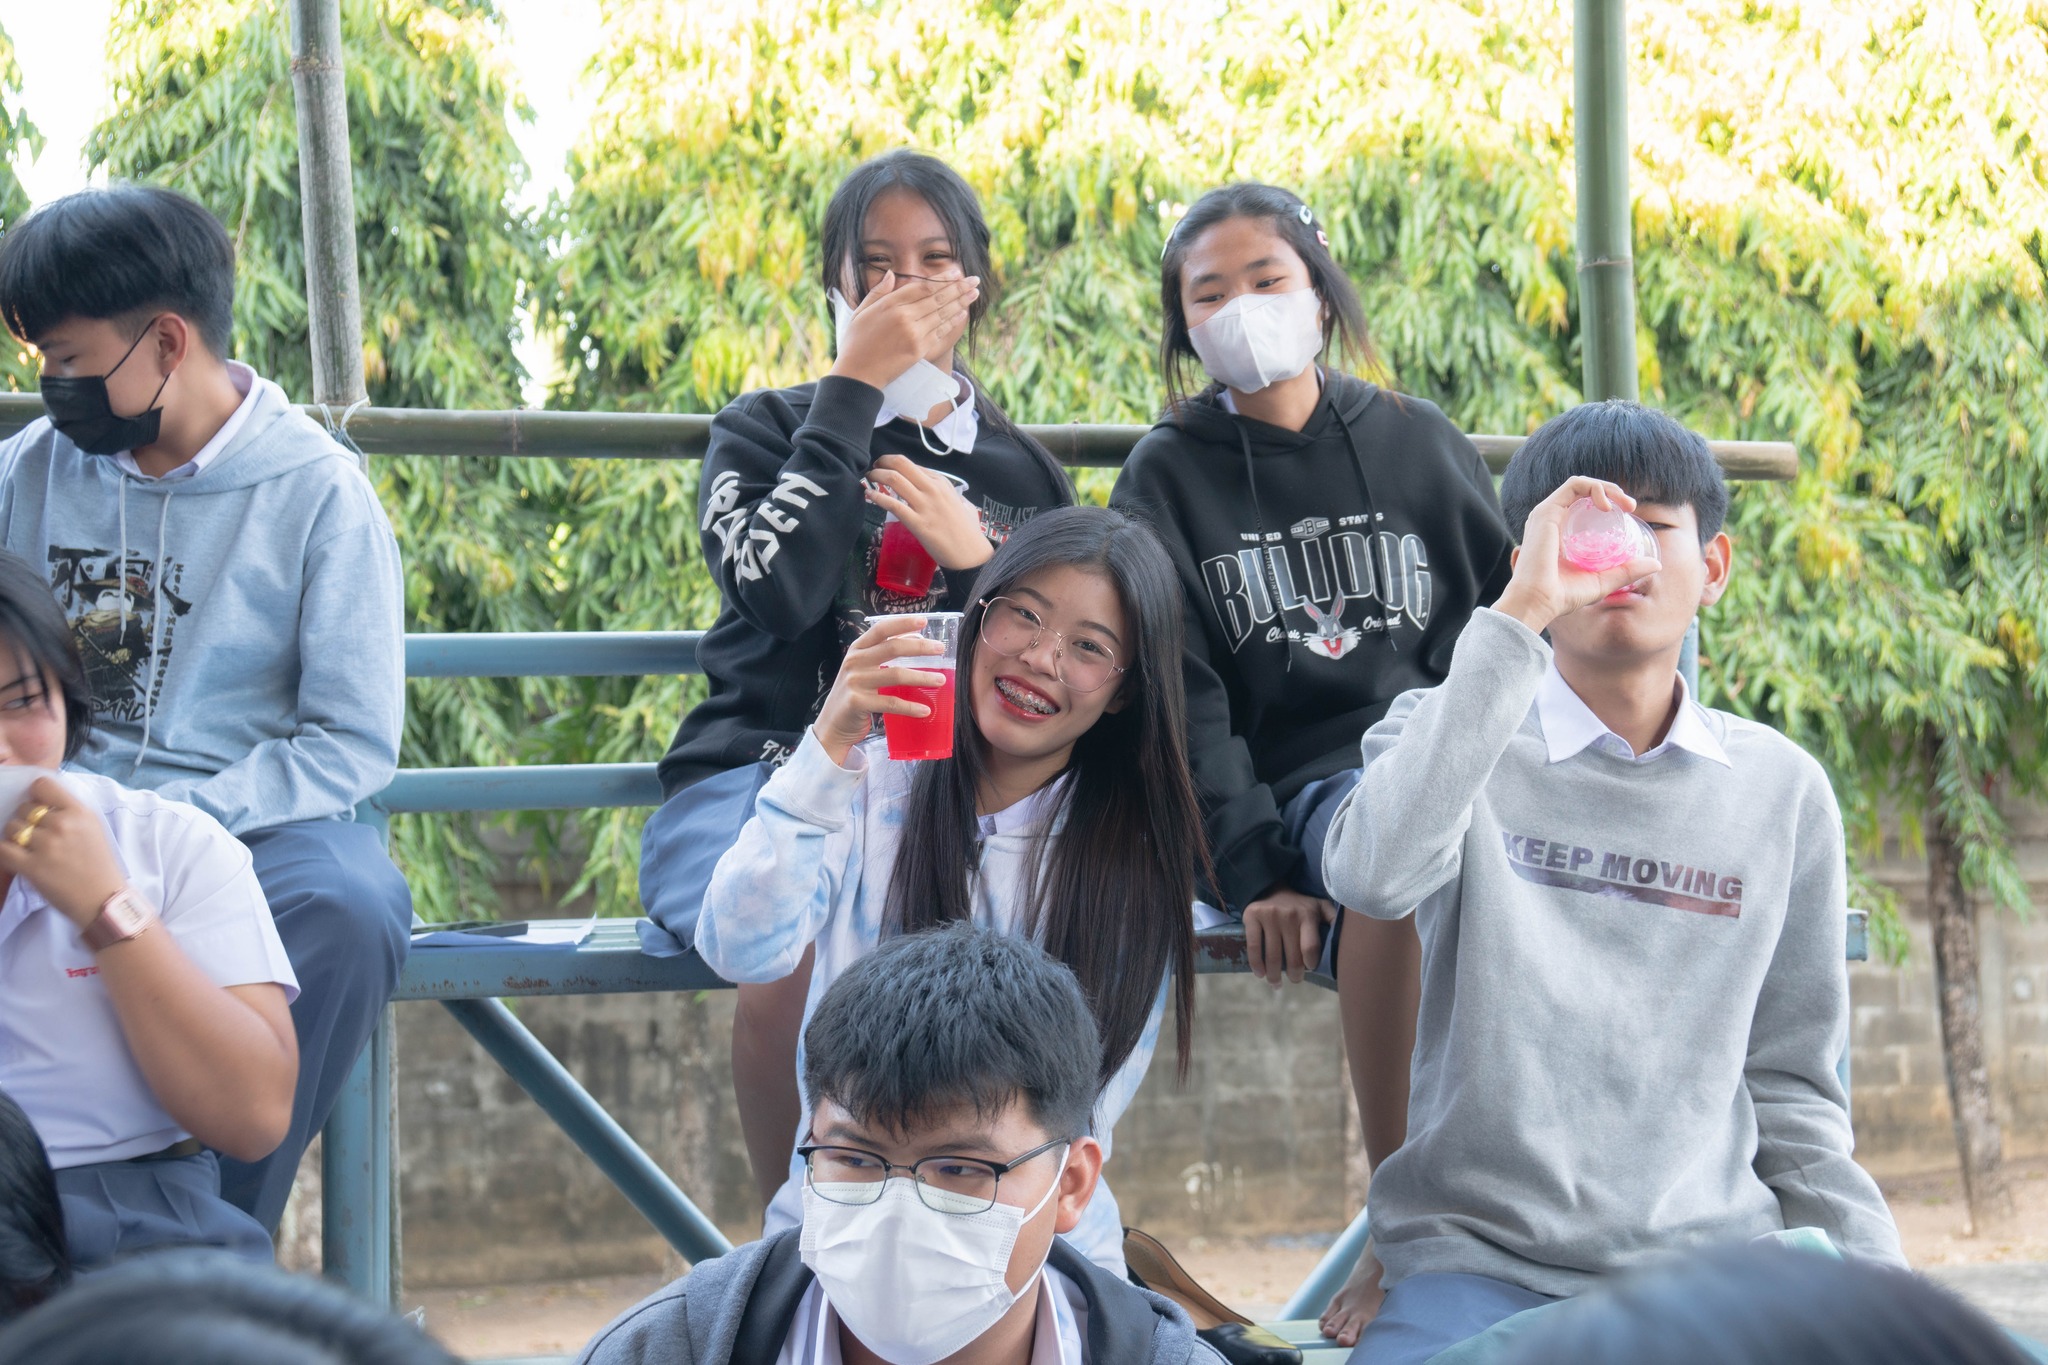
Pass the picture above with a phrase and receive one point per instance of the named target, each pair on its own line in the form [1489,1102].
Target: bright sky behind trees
[62,51]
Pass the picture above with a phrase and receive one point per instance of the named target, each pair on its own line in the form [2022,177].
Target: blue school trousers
[344,913]
[680,846]
[114,1209]
[1426,1314]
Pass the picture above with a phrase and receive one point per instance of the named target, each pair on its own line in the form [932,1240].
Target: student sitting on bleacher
[1065,813]
[144,996]
[234,588]
[954,1075]
[1632,912]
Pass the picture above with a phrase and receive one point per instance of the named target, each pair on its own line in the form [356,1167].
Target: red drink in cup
[901,564]
[926,736]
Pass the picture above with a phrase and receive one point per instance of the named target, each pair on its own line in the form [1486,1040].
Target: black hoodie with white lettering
[1381,533]
[793,543]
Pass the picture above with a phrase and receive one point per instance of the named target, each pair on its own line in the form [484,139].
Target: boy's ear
[1077,1182]
[1719,554]
[174,341]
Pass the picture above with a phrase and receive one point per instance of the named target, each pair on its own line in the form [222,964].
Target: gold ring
[36,815]
[26,833]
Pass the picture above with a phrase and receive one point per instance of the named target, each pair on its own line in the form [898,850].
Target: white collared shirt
[1569,725]
[1056,1340]
[246,382]
[63,1056]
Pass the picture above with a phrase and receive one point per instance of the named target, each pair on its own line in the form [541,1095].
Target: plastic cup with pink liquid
[925,736]
[1597,540]
[902,564]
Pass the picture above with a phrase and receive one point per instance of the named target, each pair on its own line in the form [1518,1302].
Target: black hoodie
[790,538]
[1382,533]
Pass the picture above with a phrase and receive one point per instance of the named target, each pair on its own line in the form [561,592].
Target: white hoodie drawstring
[156,621]
[121,560]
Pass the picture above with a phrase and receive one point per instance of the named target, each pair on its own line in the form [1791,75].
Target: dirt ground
[1253,1274]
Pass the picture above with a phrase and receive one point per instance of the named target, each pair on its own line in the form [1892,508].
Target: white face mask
[915,1285]
[1260,339]
[915,392]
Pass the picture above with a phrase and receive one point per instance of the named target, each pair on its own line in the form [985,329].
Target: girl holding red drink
[882,487]
[1066,811]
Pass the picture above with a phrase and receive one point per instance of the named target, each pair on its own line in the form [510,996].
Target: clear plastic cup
[1596,540]
[902,565]
[926,736]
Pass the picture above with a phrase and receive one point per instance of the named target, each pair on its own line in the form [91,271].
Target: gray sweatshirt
[1633,994]
[242,627]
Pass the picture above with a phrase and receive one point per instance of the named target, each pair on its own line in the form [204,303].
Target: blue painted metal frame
[359,1239]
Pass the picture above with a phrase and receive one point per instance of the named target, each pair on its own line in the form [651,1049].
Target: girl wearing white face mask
[1332,538]
[881,487]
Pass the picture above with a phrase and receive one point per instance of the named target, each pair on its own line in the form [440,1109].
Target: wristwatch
[123,917]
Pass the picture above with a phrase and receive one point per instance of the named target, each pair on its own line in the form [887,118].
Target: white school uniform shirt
[814,1333]
[1570,727]
[63,1057]
[813,866]
[246,382]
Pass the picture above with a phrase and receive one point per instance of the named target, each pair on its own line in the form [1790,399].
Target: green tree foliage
[202,101]
[18,138]
[1839,216]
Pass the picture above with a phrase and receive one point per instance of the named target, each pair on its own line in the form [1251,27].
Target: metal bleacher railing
[359,1237]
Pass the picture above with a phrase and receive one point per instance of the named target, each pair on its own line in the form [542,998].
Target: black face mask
[82,412]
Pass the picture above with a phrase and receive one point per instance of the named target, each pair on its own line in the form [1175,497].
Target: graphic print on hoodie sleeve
[1326,572]
[793,543]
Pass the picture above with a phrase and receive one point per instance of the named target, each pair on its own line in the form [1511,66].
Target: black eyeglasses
[947,1184]
[1083,662]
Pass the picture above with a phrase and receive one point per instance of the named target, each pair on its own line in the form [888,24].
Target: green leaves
[18,136]
[1840,209]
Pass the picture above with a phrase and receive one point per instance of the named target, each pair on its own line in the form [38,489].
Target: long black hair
[34,1262]
[957,206]
[33,628]
[1116,895]
[1295,222]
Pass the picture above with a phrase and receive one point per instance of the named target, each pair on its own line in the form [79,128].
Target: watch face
[126,914]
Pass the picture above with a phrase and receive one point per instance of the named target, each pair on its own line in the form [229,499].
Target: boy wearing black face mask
[953,1074]
[235,590]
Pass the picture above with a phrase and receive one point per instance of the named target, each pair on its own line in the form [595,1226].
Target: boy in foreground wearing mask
[234,587]
[1632,912]
[953,1074]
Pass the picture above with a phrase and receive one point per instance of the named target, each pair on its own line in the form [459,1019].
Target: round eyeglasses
[947,1184]
[1083,660]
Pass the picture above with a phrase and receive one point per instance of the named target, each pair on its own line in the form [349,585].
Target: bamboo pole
[1607,290]
[683,436]
[334,302]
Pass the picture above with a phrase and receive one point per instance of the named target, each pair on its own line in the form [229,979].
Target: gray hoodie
[242,627]
[1633,986]
[737,1309]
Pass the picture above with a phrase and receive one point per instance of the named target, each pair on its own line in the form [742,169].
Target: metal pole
[334,301]
[542,1076]
[1607,288]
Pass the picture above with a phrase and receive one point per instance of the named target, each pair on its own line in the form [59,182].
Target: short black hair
[44,646]
[119,254]
[1651,455]
[950,1016]
[1745,1304]
[211,1308]
[34,1262]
